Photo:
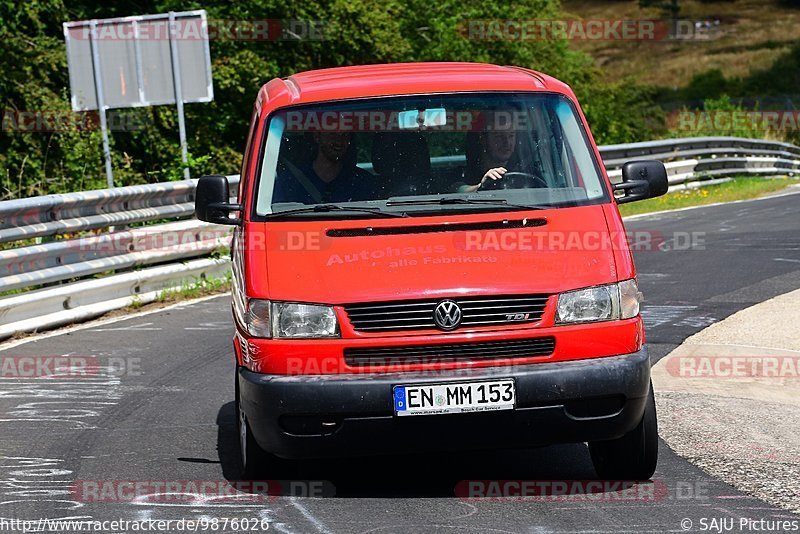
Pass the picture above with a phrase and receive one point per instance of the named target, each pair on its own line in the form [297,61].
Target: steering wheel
[514,180]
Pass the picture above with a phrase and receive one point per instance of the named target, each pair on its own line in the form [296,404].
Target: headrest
[395,153]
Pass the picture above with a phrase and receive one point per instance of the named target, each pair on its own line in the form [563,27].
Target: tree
[33,62]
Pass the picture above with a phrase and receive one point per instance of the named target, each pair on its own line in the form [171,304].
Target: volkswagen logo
[447,315]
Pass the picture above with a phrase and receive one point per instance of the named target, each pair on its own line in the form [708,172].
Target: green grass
[12,292]
[199,287]
[740,188]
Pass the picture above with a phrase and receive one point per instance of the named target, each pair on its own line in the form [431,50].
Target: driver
[493,154]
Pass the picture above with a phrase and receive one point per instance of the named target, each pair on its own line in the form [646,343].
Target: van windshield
[431,153]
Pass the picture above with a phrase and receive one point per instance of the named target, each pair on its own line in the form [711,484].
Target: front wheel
[634,455]
[253,457]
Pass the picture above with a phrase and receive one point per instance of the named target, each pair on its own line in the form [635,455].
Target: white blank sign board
[135,60]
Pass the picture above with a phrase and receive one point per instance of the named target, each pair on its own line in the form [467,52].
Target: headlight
[303,320]
[585,305]
[600,303]
[265,319]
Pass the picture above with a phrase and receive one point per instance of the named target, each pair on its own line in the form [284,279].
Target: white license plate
[462,397]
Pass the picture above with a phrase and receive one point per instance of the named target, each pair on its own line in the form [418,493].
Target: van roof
[406,78]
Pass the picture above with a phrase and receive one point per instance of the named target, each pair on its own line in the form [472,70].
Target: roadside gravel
[728,400]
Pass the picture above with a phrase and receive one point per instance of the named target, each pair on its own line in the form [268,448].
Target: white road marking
[218,325]
[135,328]
[698,321]
[101,322]
[651,275]
[35,480]
[74,402]
[657,315]
[319,525]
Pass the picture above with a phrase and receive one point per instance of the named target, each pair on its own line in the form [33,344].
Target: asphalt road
[169,416]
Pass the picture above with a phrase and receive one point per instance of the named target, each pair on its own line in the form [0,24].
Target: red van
[430,257]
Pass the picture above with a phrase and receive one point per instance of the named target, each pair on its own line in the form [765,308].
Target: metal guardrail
[78,301]
[75,258]
[173,253]
[88,210]
[695,147]
[693,160]
[90,246]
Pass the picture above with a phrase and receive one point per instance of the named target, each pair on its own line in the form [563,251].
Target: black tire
[253,458]
[633,456]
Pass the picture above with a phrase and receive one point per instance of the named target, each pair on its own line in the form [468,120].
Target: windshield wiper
[446,201]
[326,208]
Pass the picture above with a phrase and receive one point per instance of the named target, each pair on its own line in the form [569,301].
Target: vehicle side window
[254,116]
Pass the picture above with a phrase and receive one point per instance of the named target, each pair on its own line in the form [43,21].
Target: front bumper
[342,415]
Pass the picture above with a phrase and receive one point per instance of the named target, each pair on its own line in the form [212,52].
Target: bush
[721,117]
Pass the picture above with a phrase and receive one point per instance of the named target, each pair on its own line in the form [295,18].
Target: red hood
[568,250]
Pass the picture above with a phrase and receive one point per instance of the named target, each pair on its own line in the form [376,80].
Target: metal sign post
[145,60]
[98,89]
[176,83]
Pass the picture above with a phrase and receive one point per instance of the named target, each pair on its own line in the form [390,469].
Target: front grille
[418,314]
[450,352]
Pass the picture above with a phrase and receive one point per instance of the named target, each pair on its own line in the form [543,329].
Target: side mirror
[212,200]
[641,180]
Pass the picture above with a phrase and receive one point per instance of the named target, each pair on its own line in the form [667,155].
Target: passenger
[331,176]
